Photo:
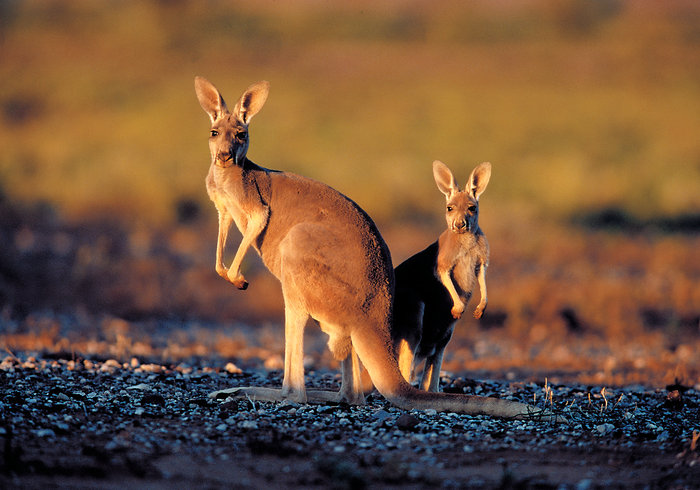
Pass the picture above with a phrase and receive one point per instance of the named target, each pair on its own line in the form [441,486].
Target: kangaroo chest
[235,193]
[462,255]
[464,276]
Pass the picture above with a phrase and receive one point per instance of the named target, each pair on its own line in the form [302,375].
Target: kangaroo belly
[327,253]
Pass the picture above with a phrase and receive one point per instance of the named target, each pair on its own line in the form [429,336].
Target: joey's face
[228,141]
[462,213]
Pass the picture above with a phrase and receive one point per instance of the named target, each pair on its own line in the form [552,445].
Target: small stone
[45,433]
[407,422]
[274,363]
[152,368]
[229,406]
[381,415]
[664,436]
[288,406]
[154,398]
[140,386]
[231,368]
[584,484]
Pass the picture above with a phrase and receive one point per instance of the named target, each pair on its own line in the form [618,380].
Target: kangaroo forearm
[457,304]
[240,253]
[481,279]
[446,280]
[224,225]
[482,285]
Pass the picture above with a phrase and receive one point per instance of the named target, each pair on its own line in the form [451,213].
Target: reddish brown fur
[332,263]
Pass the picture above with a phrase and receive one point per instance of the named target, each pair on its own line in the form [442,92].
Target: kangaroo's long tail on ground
[376,354]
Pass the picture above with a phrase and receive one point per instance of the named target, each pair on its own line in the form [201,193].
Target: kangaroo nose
[460,224]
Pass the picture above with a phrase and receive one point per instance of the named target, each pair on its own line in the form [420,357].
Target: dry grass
[576,107]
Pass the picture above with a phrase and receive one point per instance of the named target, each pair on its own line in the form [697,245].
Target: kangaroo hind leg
[431,374]
[295,319]
[351,382]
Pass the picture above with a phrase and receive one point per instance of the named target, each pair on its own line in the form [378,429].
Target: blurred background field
[588,110]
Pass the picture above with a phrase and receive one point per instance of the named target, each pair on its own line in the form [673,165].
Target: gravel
[83,422]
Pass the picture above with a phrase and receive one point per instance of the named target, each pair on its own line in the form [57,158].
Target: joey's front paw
[457,311]
[479,311]
[238,281]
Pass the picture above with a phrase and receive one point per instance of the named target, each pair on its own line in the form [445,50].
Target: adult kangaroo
[330,259]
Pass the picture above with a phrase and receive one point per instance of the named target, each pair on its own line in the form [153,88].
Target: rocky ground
[115,336]
[81,423]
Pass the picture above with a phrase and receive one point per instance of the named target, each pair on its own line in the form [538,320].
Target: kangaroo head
[462,207]
[228,140]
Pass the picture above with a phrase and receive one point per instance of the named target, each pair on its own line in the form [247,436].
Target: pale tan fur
[434,285]
[330,259]
[463,247]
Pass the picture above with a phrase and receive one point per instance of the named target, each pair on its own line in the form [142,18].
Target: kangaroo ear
[479,179]
[252,101]
[444,179]
[209,98]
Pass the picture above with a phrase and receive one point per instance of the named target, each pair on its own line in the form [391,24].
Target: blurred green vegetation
[578,105]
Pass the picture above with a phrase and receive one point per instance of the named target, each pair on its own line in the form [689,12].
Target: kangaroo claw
[238,281]
[241,284]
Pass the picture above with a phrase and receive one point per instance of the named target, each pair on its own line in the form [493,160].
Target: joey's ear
[479,179]
[251,101]
[444,179]
[209,98]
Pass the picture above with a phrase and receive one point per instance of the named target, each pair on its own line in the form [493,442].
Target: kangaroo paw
[457,311]
[238,281]
[479,311]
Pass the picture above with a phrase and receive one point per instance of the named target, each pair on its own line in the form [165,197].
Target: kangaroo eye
[449,209]
[241,135]
[214,133]
[472,209]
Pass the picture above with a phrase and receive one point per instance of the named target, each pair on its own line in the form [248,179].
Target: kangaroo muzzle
[225,159]
[461,226]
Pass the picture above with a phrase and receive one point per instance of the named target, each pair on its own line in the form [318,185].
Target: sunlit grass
[599,109]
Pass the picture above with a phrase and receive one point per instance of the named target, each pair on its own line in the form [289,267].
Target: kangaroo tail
[376,353]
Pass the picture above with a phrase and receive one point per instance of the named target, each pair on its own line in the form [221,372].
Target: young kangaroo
[331,261]
[434,286]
